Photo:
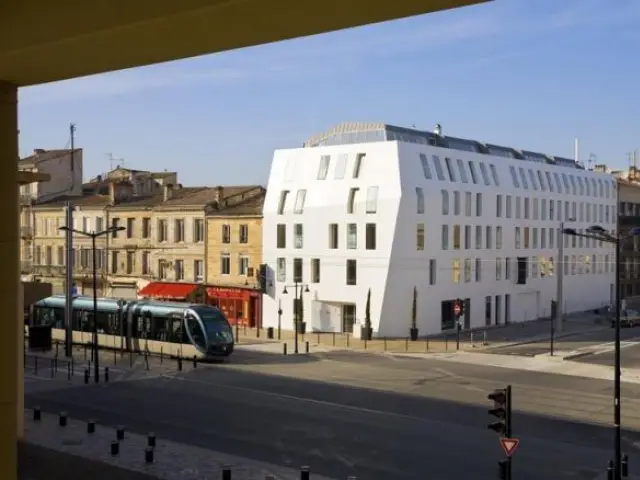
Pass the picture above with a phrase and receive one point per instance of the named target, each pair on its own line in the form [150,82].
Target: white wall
[396,266]
[65,180]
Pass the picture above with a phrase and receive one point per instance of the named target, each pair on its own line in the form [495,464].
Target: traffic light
[459,307]
[502,410]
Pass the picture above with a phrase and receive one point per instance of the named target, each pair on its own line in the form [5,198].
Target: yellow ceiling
[44,40]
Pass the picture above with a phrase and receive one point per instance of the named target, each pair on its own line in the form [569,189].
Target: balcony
[49,270]
[26,232]
[26,266]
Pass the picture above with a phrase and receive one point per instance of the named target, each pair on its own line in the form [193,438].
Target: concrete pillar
[11,406]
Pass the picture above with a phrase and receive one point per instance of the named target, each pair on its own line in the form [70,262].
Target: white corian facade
[381,208]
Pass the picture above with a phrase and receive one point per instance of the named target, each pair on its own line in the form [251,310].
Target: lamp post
[94,268]
[560,273]
[296,310]
[596,232]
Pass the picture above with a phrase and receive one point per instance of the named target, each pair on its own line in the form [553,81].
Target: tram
[177,329]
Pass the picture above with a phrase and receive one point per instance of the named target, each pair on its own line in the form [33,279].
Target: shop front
[240,305]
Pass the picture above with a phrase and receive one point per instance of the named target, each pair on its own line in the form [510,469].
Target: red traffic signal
[458,307]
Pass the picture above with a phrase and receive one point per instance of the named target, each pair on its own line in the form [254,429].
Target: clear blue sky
[531,74]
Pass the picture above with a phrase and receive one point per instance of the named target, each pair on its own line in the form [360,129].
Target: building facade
[234,252]
[372,207]
[629,196]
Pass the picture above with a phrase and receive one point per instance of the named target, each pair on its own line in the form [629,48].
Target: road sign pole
[509,427]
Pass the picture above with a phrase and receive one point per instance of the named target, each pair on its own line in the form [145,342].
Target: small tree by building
[413,332]
[368,331]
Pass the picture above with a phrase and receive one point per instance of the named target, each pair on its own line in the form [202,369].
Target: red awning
[174,291]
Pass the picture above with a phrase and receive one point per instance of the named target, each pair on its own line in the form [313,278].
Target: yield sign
[509,445]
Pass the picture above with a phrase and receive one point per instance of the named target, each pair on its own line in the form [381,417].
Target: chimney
[38,151]
[168,190]
[112,193]
[217,195]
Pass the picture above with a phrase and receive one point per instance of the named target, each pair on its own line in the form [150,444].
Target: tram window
[176,331]
[196,331]
[160,329]
[104,325]
[114,324]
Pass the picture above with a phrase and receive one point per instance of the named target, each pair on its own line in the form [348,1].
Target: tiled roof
[248,201]
[40,155]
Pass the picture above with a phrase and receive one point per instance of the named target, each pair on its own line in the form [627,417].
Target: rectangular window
[507,268]
[225,264]
[467,204]
[445,201]
[488,239]
[498,269]
[514,176]
[281,236]
[498,206]
[300,198]
[178,268]
[323,169]
[298,235]
[456,237]
[467,270]
[283,201]
[445,237]
[198,270]
[485,174]
[432,271]
[243,233]
[198,230]
[146,263]
[419,200]
[463,172]
[478,204]
[351,201]
[352,271]
[357,166]
[456,203]
[455,269]
[281,269]
[425,166]
[315,270]
[439,169]
[178,230]
[474,173]
[478,237]
[130,226]
[333,236]
[352,236]
[494,174]
[450,171]
[420,236]
[226,234]
[297,270]
[498,238]
[341,166]
[478,270]
[370,233]
[467,237]
[372,199]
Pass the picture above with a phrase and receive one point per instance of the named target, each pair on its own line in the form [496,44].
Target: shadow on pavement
[256,357]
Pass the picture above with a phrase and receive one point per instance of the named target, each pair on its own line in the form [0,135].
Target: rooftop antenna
[437,129]
[117,161]
[576,150]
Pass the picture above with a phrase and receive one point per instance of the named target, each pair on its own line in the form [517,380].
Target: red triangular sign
[509,445]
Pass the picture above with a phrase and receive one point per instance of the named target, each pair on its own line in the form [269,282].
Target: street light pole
[96,361]
[296,307]
[617,373]
[559,279]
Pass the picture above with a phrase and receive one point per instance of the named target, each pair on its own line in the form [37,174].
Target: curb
[540,338]
[574,356]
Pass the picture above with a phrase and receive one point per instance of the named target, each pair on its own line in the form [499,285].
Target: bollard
[306,347]
[35,367]
[624,467]
[115,448]
[62,419]
[179,364]
[37,414]
[151,439]
[106,374]
[610,470]
[91,426]
[284,348]
[115,356]
[85,351]
[69,371]
[484,338]
[72,367]
[161,354]
[195,361]
[86,375]
[305,474]
[57,345]
[53,373]
[120,432]
[148,455]
[226,473]
[130,359]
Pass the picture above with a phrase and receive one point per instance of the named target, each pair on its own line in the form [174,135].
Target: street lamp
[296,310]
[596,232]
[560,273]
[93,236]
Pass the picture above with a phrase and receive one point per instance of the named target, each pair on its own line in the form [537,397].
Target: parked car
[628,318]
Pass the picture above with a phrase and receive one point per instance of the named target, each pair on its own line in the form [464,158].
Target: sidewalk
[540,363]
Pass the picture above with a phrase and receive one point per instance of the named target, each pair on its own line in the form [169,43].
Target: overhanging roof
[25,178]
[43,41]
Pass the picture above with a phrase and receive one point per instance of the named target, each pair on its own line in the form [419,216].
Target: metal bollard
[284,348]
[37,414]
[53,372]
[195,361]
[161,354]
[610,470]
[85,351]
[120,432]
[62,419]
[179,364]
[306,347]
[624,467]
[305,474]
[115,448]
[115,356]
[148,455]
[106,374]
[91,426]
[86,375]
[57,345]
[130,359]
[35,366]
[151,439]
[226,473]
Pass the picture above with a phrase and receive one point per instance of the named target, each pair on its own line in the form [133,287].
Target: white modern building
[373,206]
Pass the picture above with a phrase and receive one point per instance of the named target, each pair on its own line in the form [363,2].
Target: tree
[414,309]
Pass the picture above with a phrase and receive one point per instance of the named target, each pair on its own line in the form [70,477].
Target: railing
[48,269]
[26,266]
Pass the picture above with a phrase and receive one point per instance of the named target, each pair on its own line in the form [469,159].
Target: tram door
[195,333]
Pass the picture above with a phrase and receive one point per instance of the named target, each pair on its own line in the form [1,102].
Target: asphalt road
[437,432]
[629,357]
[574,342]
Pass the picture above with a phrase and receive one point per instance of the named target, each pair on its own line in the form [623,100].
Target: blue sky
[524,73]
